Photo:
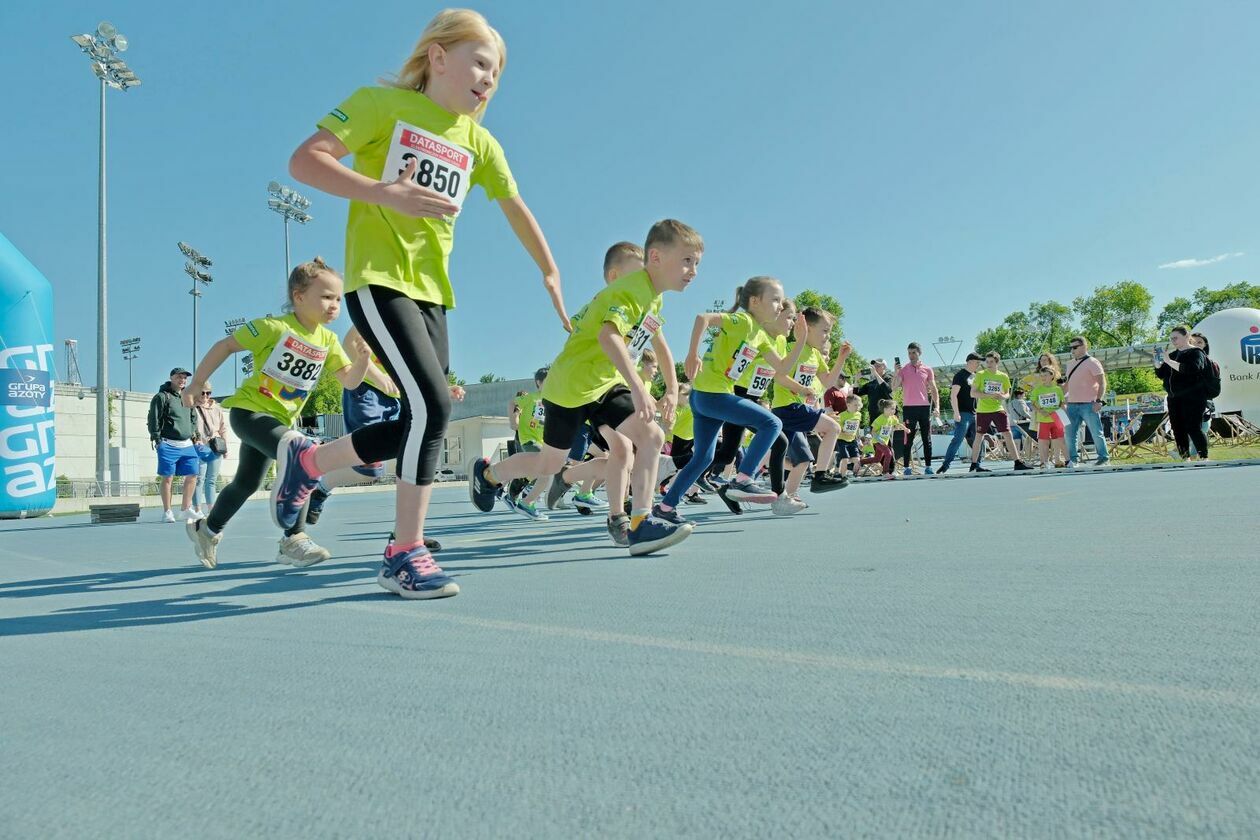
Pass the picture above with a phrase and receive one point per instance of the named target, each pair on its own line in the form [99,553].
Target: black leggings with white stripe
[409,338]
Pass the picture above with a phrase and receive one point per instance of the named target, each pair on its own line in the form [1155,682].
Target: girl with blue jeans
[740,339]
[211,423]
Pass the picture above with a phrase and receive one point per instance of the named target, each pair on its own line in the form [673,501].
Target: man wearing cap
[172,429]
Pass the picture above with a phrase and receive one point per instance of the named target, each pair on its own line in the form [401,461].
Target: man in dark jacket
[172,430]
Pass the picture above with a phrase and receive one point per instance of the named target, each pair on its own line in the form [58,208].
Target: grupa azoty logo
[1251,346]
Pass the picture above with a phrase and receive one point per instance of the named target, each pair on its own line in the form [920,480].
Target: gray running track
[1042,656]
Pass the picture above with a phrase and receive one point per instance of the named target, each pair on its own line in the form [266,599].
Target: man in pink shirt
[1086,389]
[920,400]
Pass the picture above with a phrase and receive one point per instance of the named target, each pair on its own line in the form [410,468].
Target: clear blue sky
[934,166]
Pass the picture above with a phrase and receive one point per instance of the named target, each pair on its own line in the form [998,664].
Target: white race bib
[851,426]
[642,335]
[440,165]
[744,357]
[992,386]
[761,379]
[1048,401]
[884,434]
[295,363]
[539,416]
[805,375]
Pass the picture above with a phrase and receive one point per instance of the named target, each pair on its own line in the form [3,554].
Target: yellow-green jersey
[808,368]
[288,359]
[684,423]
[883,427]
[734,350]
[850,424]
[385,128]
[1046,400]
[529,429]
[758,376]
[990,384]
[583,373]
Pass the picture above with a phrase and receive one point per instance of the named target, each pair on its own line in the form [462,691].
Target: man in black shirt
[964,406]
[878,386]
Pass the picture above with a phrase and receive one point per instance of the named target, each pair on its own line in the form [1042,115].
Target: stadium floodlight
[102,48]
[290,205]
[196,260]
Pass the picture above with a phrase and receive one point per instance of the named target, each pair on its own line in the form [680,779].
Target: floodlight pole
[102,339]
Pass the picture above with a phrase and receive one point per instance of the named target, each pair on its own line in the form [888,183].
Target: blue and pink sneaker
[414,575]
[293,484]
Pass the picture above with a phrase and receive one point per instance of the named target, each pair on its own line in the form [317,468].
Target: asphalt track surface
[1034,656]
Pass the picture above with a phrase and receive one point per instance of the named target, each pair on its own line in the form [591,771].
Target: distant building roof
[1112,358]
[490,399]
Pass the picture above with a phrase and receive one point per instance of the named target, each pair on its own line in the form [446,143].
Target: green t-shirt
[529,428]
[990,383]
[1046,400]
[383,127]
[288,359]
[883,427]
[583,373]
[809,367]
[850,424]
[684,423]
[733,352]
[758,376]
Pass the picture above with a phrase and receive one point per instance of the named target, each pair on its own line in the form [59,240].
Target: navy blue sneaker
[673,517]
[293,484]
[313,511]
[414,575]
[480,490]
[655,534]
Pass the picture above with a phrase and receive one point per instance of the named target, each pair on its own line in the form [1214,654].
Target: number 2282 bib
[295,366]
[440,165]
[642,335]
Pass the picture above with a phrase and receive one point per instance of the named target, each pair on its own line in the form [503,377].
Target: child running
[741,338]
[374,401]
[1047,400]
[595,380]
[418,150]
[850,421]
[289,354]
[529,433]
[796,405]
[882,431]
[753,386]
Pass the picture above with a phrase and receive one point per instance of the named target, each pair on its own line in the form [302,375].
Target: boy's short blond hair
[620,253]
[648,357]
[668,232]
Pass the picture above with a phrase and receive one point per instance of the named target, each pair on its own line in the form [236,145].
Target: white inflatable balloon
[1234,337]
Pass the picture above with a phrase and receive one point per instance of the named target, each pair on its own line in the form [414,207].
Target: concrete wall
[76,437]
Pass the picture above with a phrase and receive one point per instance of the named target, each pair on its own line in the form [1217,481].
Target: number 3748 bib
[440,165]
[295,364]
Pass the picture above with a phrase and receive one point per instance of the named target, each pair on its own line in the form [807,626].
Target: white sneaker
[787,506]
[1071,465]
[189,515]
[300,550]
[204,544]
[1047,467]
[168,516]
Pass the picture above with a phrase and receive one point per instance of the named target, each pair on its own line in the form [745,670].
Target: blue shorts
[177,460]
[364,406]
[799,451]
[798,417]
[847,448]
[580,442]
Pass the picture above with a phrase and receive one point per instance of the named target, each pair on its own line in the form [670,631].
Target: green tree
[1116,316]
[326,398]
[487,378]
[827,303]
[452,379]
[1140,380]
[1045,326]
[1206,301]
